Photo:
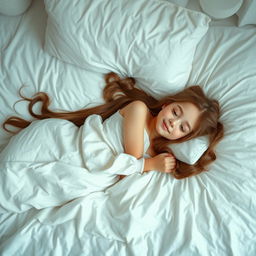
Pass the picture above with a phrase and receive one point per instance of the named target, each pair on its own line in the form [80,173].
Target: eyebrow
[181,110]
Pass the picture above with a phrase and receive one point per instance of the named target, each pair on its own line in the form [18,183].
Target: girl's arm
[135,118]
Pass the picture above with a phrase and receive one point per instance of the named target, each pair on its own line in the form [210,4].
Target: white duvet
[52,162]
[153,214]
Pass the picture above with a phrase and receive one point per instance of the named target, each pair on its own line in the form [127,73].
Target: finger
[171,165]
[170,157]
[169,171]
[170,161]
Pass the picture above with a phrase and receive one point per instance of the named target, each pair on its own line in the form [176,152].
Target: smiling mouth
[165,126]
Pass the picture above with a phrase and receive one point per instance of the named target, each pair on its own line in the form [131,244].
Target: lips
[165,126]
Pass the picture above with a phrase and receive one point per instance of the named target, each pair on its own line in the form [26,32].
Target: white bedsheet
[154,214]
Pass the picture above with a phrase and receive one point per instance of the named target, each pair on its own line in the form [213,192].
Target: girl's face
[176,120]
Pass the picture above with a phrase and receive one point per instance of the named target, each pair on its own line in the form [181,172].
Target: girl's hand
[165,162]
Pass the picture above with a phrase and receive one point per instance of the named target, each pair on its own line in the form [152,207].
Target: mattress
[213,213]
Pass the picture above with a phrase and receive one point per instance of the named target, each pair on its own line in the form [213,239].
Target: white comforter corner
[42,167]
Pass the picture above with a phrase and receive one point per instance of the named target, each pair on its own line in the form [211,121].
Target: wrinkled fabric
[211,214]
[52,162]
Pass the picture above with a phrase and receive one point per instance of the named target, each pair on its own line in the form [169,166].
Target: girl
[111,142]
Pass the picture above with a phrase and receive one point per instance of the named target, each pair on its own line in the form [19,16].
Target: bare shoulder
[134,122]
[135,107]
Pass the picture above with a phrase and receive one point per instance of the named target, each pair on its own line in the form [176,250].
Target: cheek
[176,134]
[159,120]
[166,112]
[158,126]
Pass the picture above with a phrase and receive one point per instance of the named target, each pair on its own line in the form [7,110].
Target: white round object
[220,9]
[14,7]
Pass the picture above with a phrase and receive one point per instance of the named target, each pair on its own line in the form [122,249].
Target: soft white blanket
[52,162]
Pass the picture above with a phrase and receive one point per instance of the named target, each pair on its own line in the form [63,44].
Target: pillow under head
[190,151]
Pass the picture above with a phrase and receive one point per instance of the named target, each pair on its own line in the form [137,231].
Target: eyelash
[182,128]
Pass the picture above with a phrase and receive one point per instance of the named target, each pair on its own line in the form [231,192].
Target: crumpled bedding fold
[52,162]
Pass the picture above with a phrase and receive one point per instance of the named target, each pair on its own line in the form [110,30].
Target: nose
[174,122]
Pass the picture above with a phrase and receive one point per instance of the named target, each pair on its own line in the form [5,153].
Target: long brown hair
[120,92]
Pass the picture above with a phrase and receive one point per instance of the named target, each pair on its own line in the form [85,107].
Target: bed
[211,214]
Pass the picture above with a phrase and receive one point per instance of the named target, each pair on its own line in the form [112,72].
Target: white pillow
[190,151]
[14,7]
[152,40]
[247,13]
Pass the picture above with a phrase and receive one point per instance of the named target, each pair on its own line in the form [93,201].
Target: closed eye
[185,128]
[174,113]
[182,128]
